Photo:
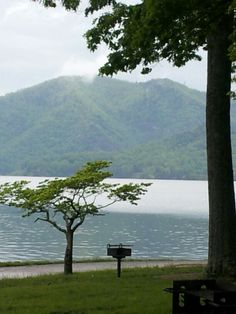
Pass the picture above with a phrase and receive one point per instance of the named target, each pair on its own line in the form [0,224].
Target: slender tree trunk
[68,259]
[222,223]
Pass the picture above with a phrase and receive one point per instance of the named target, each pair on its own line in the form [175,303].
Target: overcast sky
[39,44]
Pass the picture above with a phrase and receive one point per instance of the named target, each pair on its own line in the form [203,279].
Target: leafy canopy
[141,33]
[70,199]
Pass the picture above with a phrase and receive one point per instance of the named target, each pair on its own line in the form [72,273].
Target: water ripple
[152,236]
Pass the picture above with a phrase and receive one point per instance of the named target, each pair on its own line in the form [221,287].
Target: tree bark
[222,223]
[68,259]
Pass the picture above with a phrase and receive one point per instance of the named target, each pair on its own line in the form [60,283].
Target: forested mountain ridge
[153,129]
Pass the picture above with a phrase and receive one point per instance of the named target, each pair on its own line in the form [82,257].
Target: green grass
[137,291]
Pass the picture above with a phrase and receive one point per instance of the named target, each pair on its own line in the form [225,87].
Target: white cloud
[15,10]
[87,68]
[38,44]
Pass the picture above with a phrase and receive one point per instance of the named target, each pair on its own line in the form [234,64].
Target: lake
[171,221]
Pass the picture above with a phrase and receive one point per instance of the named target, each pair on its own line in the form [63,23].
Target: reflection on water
[152,235]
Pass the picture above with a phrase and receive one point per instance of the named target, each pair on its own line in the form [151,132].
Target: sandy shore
[36,270]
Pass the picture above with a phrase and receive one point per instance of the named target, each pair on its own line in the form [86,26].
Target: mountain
[153,129]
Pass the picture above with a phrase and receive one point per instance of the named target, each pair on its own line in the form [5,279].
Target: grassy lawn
[137,291]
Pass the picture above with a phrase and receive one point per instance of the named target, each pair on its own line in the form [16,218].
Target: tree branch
[53,223]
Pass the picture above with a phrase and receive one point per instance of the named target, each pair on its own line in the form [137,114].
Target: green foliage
[140,34]
[64,203]
[182,157]
[52,128]
[68,4]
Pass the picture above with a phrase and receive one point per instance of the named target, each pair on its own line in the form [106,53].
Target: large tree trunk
[222,223]
[68,259]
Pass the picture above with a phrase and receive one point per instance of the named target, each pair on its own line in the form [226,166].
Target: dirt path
[35,270]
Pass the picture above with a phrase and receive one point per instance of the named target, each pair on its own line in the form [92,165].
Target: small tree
[65,203]
[148,31]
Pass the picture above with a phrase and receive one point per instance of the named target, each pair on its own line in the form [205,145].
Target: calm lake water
[171,221]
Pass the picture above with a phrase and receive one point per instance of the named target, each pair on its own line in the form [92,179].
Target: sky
[39,44]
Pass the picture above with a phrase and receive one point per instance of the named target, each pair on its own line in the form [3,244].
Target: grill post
[118,251]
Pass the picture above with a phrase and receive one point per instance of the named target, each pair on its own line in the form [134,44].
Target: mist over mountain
[148,130]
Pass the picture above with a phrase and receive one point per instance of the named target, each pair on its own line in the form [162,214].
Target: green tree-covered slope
[153,129]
